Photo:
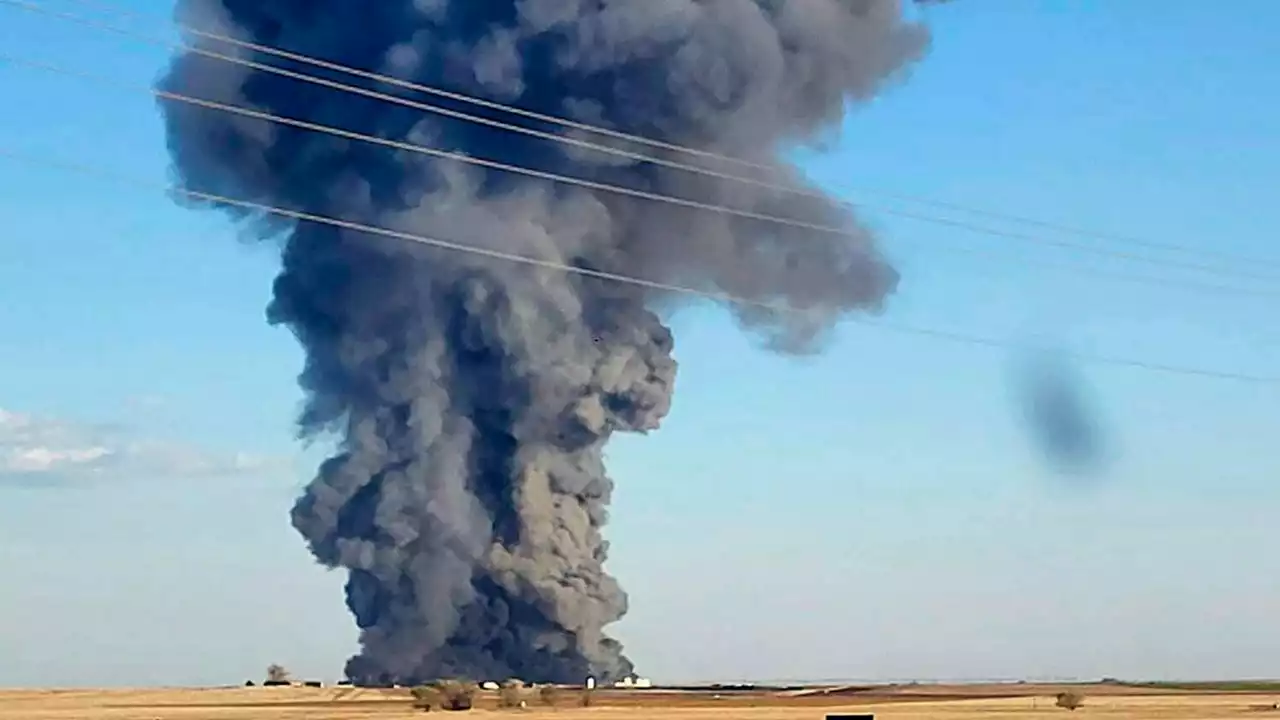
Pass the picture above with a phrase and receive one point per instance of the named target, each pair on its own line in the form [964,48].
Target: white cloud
[42,450]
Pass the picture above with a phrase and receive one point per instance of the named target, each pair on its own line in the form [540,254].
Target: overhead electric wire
[654,143]
[518,169]
[659,144]
[425,107]
[211,105]
[932,333]
[431,151]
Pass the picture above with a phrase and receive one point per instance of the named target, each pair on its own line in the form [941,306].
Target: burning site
[470,398]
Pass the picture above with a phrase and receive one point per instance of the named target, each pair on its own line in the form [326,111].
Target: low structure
[634,681]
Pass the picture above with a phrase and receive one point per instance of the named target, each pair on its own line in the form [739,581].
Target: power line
[518,169]
[1148,280]
[936,334]
[211,105]
[655,143]
[431,151]
[425,107]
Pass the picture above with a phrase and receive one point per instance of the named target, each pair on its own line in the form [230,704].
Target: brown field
[917,702]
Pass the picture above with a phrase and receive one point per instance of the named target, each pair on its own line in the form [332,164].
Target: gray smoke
[473,398]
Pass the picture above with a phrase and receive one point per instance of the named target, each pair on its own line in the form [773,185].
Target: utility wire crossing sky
[933,333]
[621,152]
[1020,90]
[556,120]
[507,167]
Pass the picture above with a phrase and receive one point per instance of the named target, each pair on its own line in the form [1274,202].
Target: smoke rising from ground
[472,398]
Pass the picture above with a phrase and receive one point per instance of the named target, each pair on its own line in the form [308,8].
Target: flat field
[916,702]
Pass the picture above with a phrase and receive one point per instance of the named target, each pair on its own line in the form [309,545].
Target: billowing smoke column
[473,397]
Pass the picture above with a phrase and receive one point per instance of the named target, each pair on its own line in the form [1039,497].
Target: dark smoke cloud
[472,398]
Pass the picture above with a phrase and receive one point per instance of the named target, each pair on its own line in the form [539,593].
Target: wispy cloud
[36,450]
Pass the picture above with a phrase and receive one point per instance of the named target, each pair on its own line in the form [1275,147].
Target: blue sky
[873,512]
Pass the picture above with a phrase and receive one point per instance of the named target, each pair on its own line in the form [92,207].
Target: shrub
[588,697]
[425,697]
[547,693]
[511,695]
[456,694]
[1070,700]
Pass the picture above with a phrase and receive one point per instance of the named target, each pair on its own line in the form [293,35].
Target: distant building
[489,685]
[591,683]
[634,681]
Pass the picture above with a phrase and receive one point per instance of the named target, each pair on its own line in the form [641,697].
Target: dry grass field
[1005,702]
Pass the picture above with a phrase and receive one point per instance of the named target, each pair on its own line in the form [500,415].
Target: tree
[456,694]
[511,695]
[277,674]
[1070,700]
[426,697]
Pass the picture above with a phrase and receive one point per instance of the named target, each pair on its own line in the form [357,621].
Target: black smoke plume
[473,398]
